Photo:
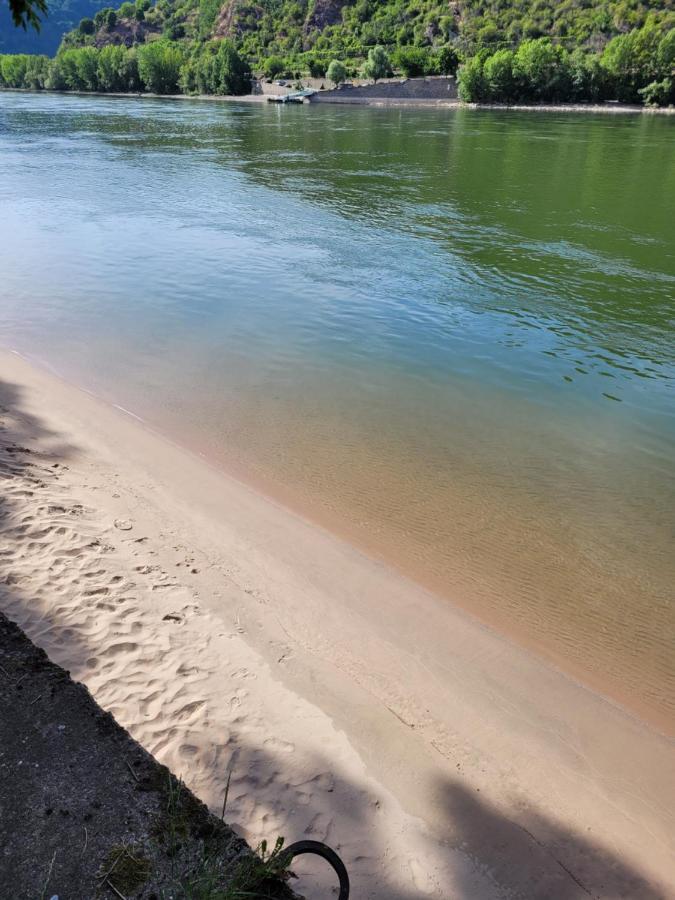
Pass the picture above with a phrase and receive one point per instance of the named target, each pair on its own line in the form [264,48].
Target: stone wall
[436,88]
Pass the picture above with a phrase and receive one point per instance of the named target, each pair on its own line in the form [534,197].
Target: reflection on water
[446,334]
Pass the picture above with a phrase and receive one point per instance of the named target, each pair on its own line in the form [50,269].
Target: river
[446,335]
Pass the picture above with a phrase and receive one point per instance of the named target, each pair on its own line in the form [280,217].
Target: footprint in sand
[123,524]
[281,746]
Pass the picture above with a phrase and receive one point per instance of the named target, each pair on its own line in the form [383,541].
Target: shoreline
[617,109]
[442,744]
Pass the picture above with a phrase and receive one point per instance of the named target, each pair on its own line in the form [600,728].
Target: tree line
[636,67]
[159,67]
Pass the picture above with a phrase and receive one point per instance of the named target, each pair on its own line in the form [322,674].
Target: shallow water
[447,335]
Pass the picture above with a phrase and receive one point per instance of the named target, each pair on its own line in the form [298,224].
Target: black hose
[325,852]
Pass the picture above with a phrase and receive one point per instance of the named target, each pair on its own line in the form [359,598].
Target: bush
[501,83]
[86,66]
[658,93]
[13,69]
[336,72]
[542,69]
[159,66]
[633,61]
[117,69]
[127,11]
[412,61]
[447,60]
[274,66]
[216,69]
[105,18]
[86,26]
[317,67]
[471,85]
[378,64]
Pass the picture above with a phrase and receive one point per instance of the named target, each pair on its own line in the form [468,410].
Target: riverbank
[354,99]
[228,635]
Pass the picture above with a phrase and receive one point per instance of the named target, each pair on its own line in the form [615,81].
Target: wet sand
[228,634]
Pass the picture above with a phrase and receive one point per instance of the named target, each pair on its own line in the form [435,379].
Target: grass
[124,870]
[221,870]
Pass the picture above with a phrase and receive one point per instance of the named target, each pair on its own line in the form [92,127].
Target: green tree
[658,93]
[86,26]
[471,85]
[665,54]
[336,72]
[501,83]
[216,68]
[159,66]
[112,75]
[448,60]
[412,61]
[378,64]
[588,79]
[632,61]
[274,66]
[37,72]
[317,67]
[105,18]
[13,69]
[542,69]
[86,66]
[127,10]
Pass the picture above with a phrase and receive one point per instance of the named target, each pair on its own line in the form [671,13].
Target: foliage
[501,76]
[378,64]
[274,66]
[159,66]
[520,51]
[105,18]
[471,85]
[632,68]
[216,68]
[118,69]
[336,72]
[27,12]
[414,61]
[658,93]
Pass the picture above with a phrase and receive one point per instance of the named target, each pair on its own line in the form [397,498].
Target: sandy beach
[228,635]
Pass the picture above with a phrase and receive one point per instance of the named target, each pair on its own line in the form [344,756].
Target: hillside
[298,30]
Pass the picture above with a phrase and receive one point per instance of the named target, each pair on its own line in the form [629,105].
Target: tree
[317,67]
[86,66]
[86,26]
[336,72]
[37,72]
[159,66]
[113,68]
[127,10]
[665,54]
[105,18]
[216,69]
[13,69]
[412,61]
[27,12]
[472,87]
[500,81]
[658,93]
[542,70]
[274,66]
[378,64]
[632,61]
[448,60]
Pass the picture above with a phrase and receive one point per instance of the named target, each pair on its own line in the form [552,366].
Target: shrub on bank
[634,67]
